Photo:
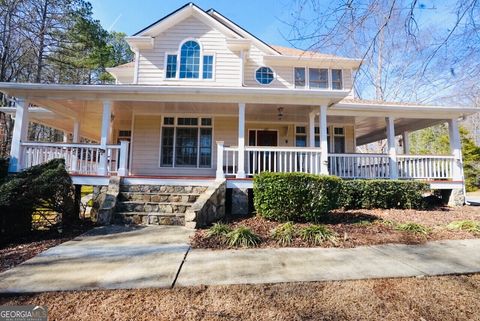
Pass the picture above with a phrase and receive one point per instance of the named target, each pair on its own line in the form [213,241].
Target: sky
[263,18]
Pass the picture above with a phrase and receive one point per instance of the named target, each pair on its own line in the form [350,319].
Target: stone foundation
[104,201]
[457,197]
[209,207]
[239,201]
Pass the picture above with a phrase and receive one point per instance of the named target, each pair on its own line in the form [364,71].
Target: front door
[267,138]
[259,161]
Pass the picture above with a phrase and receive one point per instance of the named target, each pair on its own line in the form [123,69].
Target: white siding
[227,63]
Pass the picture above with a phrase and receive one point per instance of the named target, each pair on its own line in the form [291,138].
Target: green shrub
[284,233]
[242,236]
[47,186]
[413,228]
[368,194]
[218,229]
[465,225]
[317,234]
[295,196]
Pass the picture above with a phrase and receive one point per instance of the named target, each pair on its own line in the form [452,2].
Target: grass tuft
[243,237]
[413,228]
[465,225]
[317,234]
[284,233]
[218,229]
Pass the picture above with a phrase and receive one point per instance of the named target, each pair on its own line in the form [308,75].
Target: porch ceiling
[372,129]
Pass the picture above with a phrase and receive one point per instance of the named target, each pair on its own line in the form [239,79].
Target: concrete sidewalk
[111,257]
[116,257]
[317,264]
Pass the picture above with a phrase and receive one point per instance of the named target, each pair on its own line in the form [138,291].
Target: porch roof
[175,93]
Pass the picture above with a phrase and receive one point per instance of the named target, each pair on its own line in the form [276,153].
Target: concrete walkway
[317,264]
[121,258]
[112,257]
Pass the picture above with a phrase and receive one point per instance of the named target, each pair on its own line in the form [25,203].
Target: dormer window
[190,63]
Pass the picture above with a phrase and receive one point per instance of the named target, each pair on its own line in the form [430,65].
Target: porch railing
[272,159]
[86,159]
[359,165]
[307,160]
[425,167]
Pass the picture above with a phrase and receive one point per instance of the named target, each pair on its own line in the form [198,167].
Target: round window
[264,75]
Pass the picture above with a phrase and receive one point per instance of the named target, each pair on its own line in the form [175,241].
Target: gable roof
[188,10]
[211,17]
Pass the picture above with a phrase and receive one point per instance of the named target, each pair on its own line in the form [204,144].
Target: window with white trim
[264,75]
[318,78]
[171,71]
[190,62]
[300,77]
[186,142]
[207,67]
[300,136]
[337,79]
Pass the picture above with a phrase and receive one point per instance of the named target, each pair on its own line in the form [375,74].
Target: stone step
[162,207]
[163,189]
[159,197]
[149,218]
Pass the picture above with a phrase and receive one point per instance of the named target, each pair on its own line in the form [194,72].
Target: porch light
[280,113]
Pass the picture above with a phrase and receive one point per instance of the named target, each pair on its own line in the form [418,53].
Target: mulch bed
[24,248]
[429,298]
[360,227]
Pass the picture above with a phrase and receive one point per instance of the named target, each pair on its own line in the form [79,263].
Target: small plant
[466,225]
[243,236]
[413,228]
[317,234]
[284,233]
[218,229]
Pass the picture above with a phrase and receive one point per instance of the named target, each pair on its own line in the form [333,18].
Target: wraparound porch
[303,141]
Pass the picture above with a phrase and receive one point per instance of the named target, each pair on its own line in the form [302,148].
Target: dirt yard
[436,298]
[362,227]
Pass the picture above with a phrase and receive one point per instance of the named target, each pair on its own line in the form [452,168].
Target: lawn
[432,298]
[362,227]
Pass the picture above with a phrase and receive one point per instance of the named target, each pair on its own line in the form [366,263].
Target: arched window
[190,60]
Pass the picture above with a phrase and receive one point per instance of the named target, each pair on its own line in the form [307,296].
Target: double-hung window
[337,79]
[300,79]
[318,78]
[171,66]
[300,136]
[207,67]
[186,142]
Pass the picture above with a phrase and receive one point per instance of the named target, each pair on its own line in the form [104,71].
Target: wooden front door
[267,138]
[259,161]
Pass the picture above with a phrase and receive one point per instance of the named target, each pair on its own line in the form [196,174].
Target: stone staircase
[155,204]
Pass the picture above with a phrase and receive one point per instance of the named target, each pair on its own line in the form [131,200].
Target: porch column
[20,131]
[76,132]
[220,174]
[106,115]
[75,140]
[456,149]
[406,142]
[392,151]
[323,140]
[241,141]
[311,129]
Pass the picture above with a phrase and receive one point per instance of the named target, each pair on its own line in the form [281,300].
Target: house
[206,103]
